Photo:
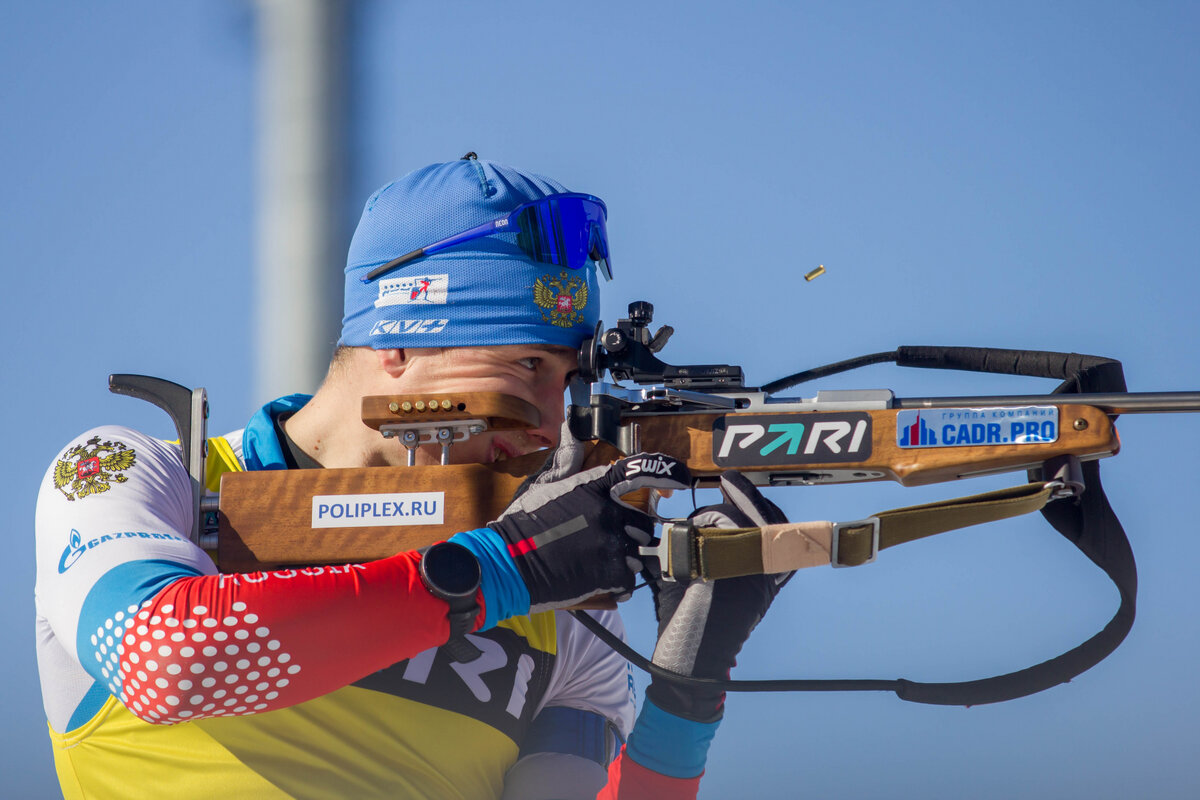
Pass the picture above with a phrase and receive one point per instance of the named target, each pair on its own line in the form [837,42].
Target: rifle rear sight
[628,353]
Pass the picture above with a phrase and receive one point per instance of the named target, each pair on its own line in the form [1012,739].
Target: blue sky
[1012,175]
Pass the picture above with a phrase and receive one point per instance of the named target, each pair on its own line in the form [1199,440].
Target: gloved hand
[566,537]
[702,626]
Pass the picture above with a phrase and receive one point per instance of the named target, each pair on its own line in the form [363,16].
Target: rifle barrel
[1113,403]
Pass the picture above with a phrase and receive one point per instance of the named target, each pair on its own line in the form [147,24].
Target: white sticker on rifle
[960,427]
[363,510]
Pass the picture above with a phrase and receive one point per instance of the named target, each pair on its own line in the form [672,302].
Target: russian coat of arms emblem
[92,467]
[561,299]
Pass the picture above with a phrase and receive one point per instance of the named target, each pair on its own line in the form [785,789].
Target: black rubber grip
[1073,368]
[1033,363]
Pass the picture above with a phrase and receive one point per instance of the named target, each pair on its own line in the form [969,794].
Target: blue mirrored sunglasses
[566,230]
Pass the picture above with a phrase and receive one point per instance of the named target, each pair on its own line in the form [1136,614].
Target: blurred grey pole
[302,172]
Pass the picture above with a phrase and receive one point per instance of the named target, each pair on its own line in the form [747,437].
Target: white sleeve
[114,502]
[590,675]
[571,739]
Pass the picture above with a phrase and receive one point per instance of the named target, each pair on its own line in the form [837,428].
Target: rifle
[705,416]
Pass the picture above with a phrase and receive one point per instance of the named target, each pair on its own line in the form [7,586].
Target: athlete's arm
[145,613]
[586,715]
[582,720]
[629,780]
[702,626]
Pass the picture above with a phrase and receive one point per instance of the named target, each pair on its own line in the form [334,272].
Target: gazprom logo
[76,547]
[74,550]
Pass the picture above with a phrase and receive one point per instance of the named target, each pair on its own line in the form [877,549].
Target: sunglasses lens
[567,231]
[597,245]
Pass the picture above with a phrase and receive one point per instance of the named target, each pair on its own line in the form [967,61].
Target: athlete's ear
[393,361]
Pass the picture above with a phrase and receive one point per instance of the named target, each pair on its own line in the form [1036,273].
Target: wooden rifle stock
[275,518]
[294,518]
[1083,431]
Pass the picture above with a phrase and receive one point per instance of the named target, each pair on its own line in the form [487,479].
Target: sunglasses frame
[510,223]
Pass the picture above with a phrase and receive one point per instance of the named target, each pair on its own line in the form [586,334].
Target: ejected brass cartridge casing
[815,273]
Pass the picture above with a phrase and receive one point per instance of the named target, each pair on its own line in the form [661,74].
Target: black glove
[702,625]
[564,539]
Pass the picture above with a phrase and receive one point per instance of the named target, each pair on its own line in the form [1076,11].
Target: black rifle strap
[1087,521]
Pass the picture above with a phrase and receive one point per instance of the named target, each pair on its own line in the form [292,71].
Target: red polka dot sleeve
[226,645]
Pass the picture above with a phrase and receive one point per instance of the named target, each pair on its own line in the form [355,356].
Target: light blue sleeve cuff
[668,744]
[504,593]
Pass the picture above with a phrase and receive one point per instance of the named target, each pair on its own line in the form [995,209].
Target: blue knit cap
[481,292]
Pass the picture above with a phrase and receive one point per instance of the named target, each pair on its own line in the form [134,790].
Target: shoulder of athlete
[112,497]
[114,479]
[103,458]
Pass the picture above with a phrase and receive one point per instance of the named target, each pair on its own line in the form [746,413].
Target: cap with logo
[485,291]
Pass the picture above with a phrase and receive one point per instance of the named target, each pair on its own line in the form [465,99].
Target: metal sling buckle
[858,523]
[1061,490]
[673,549]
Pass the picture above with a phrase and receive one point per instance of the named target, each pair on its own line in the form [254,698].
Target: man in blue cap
[161,675]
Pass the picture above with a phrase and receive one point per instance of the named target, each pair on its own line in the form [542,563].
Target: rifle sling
[728,553]
[1088,522]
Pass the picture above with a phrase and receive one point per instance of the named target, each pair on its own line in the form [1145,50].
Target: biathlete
[162,676]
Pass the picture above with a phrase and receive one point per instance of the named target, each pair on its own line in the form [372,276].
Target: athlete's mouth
[502,451]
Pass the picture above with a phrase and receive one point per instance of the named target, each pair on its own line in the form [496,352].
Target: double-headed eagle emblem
[89,467]
[561,299]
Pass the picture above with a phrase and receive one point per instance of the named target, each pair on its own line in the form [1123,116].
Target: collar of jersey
[261,448]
